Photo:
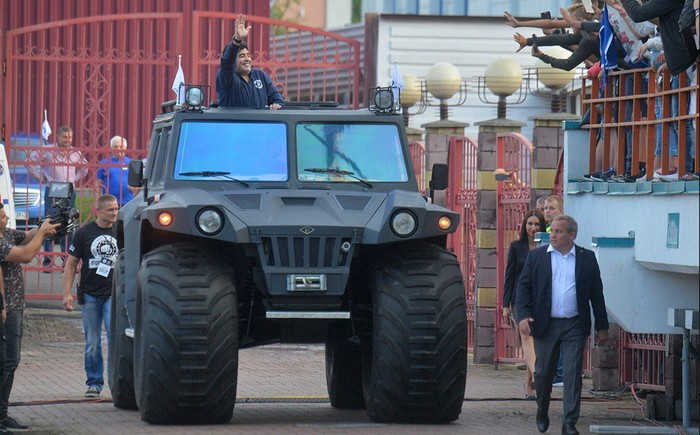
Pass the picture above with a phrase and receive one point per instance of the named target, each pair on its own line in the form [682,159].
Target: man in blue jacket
[238,84]
[558,286]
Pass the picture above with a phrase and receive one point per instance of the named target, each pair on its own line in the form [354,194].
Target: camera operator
[15,247]
[94,245]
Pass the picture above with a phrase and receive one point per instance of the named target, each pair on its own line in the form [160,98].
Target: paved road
[281,390]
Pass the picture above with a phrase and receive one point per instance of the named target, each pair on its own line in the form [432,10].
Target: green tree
[277,11]
[356,11]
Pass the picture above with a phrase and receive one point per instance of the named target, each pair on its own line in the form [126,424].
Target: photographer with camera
[16,247]
[94,245]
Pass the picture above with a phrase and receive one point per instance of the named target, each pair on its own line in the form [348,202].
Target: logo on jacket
[258,84]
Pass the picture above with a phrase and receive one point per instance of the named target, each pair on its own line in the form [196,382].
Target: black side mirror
[438,181]
[135,173]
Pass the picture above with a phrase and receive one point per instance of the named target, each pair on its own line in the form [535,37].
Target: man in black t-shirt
[16,247]
[94,246]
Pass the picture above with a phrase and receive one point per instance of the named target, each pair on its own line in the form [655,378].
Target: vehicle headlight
[210,221]
[404,223]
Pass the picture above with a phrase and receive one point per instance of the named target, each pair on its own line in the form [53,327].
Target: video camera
[68,217]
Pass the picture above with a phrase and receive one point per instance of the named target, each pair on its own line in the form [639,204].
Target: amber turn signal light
[444,223]
[165,219]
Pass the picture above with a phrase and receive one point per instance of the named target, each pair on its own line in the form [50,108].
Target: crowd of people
[628,35]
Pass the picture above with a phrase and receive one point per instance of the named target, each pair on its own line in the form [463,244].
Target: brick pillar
[414,134]
[437,138]
[548,144]
[484,334]
[605,362]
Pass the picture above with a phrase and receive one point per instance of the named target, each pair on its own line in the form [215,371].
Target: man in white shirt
[558,285]
[57,162]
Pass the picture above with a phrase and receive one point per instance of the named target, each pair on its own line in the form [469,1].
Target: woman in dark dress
[533,222]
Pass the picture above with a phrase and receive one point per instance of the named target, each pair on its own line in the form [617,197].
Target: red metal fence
[417,149]
[461,197]
[513,201]
[642,359]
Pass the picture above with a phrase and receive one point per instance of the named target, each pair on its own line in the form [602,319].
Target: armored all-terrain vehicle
[302,225]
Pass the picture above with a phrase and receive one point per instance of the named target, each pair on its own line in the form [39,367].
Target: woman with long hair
[533,222]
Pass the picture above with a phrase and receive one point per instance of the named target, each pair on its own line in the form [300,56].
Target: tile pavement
[281,390]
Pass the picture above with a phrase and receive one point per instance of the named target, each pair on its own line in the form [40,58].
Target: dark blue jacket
[233,91]
[534,295]
[517,254]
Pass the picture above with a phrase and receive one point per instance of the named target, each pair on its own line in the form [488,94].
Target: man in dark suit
[558,285]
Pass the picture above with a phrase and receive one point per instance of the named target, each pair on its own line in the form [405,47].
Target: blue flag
[608,52]
[397,83]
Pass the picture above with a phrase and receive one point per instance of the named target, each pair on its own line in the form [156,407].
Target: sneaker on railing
[601,175]
[12,425]
[629,178]
[667,177]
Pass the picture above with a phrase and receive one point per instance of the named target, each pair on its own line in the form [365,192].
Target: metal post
[501,108]
[685,362]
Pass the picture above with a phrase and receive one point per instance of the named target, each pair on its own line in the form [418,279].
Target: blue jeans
[95,311]
[13,345]
[50,211]
[673,129]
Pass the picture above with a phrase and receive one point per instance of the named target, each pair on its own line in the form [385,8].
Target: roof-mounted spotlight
[382,100]
[194,97]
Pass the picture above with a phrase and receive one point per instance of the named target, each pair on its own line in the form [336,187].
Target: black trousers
[565,335]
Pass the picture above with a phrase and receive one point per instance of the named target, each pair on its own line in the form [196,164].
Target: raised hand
[241,29]
[521,40]
[510,19]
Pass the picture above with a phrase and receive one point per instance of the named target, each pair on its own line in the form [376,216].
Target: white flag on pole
[45,127]
[179,80]
[397,83]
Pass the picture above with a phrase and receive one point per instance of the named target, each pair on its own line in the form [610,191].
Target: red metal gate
[417,149]
[642,358]
[461,197]
[107,75]
[513,201]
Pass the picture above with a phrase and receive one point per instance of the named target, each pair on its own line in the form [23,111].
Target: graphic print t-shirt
[94,245]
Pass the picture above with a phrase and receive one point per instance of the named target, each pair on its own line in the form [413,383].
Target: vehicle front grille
[24,198]
[305,252]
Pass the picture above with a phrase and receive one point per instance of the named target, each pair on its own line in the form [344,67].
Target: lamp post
[443,81]
[503,77]
[555,80]
[410,95]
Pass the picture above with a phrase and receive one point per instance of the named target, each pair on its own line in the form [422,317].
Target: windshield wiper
[209,174]
[334,171]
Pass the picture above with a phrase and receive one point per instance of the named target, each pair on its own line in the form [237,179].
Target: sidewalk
[281,389]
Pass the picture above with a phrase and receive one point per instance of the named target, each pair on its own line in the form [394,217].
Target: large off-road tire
[343,374]
[121,352]
[414,366]
[186,338]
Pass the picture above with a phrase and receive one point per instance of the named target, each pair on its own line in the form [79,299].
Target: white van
[6,191]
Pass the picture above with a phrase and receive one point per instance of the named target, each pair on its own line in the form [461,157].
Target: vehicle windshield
[330,152]
[246,151]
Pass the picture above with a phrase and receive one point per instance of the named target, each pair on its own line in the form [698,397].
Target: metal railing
[632,111]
